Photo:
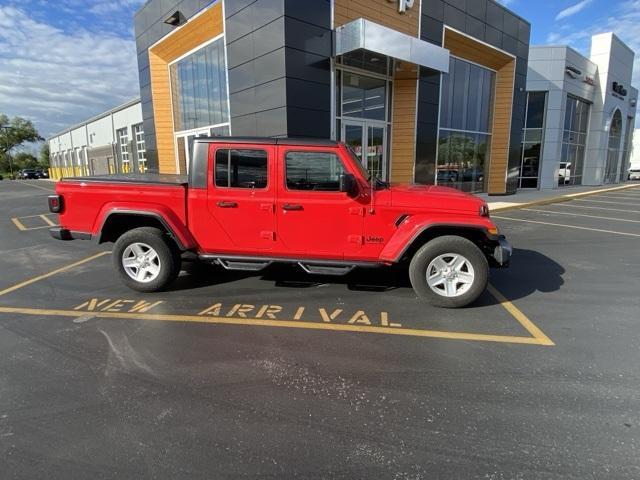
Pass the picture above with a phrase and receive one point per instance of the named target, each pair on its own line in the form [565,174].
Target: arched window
[613,150]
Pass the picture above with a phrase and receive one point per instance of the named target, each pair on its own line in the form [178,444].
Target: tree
[19,131]
[24,160]
[44,156]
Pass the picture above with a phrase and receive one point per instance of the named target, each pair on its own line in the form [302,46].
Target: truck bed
[140,178]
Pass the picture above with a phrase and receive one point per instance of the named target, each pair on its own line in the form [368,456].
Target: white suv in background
[634,171]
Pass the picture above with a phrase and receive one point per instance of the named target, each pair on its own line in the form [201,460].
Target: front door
[368,141]
[315,219]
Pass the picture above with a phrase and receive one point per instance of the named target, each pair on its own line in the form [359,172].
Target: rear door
[315,219]
[242,195]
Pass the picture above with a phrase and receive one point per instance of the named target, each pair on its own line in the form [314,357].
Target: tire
[153,259]
[459,272]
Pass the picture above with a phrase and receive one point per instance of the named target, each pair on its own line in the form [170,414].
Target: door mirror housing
[348,183]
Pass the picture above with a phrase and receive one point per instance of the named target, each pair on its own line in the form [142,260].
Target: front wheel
[146,260]
[449,271]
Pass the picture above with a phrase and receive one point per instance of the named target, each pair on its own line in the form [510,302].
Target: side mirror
[347,183]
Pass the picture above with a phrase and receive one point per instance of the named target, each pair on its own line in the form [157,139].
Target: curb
[559,199]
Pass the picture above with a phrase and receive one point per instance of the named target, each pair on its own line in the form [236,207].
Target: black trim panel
[60,233]
[313,142]
[142,213]
[140,178]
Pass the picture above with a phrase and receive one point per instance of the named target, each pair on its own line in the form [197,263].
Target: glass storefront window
[613,150]
[574,141]
[532,138]
[465,126]
[626,152]
[363,97]
[199,88]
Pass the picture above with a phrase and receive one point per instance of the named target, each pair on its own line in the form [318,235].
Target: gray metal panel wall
[278,54]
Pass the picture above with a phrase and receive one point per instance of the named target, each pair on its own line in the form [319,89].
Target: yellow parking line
[18,224]
[536,340]
[50,274]
[567,226]
[521,317]
[580,215]
[538,337]
[47,220]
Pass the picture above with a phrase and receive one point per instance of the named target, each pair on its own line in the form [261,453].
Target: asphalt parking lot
[282,375]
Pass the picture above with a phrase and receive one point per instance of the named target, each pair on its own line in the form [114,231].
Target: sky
[63,61]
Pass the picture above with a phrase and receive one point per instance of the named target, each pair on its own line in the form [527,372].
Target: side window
[318,171]
[241,168]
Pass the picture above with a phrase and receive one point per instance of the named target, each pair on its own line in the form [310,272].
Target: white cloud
[573,9]
[57,78]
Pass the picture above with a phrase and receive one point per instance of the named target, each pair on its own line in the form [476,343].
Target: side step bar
[313,267]
[245,266]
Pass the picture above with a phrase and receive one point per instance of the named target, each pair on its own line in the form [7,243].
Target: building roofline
[95,118]
[510,11]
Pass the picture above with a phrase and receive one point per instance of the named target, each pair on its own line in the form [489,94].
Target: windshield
[358,163]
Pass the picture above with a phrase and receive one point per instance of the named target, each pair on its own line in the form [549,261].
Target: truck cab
[250,202]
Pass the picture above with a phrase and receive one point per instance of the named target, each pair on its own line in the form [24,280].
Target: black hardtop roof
[322,142]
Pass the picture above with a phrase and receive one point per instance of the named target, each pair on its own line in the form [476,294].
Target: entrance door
[368,140]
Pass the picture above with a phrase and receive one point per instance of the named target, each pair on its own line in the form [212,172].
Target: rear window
[240,168]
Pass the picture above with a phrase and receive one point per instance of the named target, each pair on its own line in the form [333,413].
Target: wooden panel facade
[403,133]
[505,65]
[189,36]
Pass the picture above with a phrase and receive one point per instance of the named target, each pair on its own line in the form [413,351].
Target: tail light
[55,203]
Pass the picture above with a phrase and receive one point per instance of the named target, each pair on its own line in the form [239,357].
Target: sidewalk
[525,198]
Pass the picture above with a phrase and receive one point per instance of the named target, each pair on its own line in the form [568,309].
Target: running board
[315,269]
[243,265]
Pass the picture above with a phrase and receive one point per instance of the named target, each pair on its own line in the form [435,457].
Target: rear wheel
[449,271]
[146,259]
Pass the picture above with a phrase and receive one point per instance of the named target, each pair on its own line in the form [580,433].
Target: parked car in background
[564,174]
[42,173]
[634,171]
[28,173]
[446,176]
[473,174]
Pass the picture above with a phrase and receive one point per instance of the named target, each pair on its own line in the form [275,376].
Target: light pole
[7,128]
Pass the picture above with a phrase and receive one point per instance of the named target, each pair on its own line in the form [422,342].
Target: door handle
[227,204]
[291,206]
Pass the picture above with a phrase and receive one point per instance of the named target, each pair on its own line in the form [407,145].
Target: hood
[434,197]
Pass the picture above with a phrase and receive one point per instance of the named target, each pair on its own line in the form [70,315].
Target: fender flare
[180,234]
[412,228]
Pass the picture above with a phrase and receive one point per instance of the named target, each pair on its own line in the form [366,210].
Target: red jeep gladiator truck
[250,202]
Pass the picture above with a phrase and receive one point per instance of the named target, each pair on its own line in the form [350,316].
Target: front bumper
[502,252]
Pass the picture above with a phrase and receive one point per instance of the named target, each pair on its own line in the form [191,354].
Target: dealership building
[431,91]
